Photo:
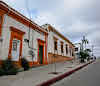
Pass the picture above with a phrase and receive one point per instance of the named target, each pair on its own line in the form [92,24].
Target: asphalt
[88,76]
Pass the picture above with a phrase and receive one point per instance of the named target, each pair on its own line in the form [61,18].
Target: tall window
[62,47]
[66,49]
[73,51]
[14,47]
[70,52]
[55,45]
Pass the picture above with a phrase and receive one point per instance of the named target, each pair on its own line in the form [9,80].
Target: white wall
[51,44]
[6,33]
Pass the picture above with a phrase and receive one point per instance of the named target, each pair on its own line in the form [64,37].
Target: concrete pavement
[37,75]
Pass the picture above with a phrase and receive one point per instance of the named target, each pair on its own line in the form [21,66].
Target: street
[88,76]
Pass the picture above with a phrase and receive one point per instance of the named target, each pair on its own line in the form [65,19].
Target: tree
[85,42]
[85,55]
[88,50]
[82,56]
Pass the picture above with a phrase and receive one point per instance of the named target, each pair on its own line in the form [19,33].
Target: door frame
[40,43]
[18,34]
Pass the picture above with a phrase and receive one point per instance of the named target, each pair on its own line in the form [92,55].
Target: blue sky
[73,18]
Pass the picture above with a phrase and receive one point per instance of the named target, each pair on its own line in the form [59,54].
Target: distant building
[77,50]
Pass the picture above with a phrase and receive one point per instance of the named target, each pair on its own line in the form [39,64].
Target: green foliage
[9,68]
[25,64]
[85,41]
[84,55]
[88,50]
[1,72]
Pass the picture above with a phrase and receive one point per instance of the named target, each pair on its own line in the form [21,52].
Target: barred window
[14,45]
[55,45]
[72,53]
[66,49]
[62,47]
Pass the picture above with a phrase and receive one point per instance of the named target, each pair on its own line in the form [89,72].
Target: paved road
[88,76]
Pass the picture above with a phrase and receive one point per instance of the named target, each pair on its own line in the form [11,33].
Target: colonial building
[59,47]
[20,37]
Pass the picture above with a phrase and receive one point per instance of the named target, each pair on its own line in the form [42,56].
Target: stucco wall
[6,33]
[51,44]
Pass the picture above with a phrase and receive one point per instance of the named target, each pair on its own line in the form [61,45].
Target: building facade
[21,37]
[59,47]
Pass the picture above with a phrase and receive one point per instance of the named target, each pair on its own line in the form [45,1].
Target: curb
[55,79]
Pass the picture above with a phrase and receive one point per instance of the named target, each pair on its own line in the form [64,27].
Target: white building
[20,37]
[58,45]
[77,50]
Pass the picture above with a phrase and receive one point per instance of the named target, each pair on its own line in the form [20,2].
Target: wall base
[57,58]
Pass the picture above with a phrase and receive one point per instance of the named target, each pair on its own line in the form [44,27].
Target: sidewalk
[38,75]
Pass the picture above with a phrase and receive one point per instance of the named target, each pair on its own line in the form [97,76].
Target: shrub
[84,55]
[1,72]
[25,64]
[9,68]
